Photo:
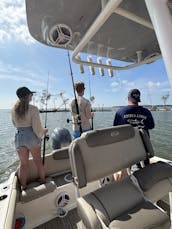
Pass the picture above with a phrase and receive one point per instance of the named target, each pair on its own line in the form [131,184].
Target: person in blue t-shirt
[134,114]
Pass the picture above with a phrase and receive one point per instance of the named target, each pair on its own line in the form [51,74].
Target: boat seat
[121,204]
[56,163]
[35,190]
[153,177]
[59,154]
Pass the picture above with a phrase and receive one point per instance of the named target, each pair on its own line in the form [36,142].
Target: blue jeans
[77,133]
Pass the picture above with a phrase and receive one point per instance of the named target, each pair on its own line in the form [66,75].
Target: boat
[80,191]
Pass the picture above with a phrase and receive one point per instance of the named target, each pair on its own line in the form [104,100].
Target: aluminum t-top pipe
[109,8]
[162,22]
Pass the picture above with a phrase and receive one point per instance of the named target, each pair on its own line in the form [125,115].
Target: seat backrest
[55,162]
[99,153]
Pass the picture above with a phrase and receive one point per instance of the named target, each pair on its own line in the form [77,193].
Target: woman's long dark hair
[21,107]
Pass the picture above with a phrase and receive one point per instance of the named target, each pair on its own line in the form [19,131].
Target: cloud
[146,85]
[13,22]
[21,75]
[4,36]
[164,85]
[122,84]
[114,84]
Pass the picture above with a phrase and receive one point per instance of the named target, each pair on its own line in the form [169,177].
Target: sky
[26,62]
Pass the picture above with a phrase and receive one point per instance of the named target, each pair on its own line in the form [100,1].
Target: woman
[26,119]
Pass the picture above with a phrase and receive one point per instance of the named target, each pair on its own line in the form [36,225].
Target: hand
[45,131]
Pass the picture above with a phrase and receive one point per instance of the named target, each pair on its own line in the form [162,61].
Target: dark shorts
[26,137]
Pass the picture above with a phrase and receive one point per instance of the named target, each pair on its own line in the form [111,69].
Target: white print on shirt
[136,119]
[135,122]
[135,116]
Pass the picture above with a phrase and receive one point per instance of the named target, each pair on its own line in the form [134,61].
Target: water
[160,136]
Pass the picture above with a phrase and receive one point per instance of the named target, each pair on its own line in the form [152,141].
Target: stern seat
[56,163]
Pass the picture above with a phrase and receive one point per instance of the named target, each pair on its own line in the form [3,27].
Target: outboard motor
[61,137]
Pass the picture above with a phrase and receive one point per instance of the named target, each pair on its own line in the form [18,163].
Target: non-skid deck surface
[61,179]
[71,221]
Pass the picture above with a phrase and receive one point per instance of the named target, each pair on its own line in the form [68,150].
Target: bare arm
[88,112]
[36,124]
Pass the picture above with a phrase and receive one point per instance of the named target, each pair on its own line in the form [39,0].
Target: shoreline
[111,109]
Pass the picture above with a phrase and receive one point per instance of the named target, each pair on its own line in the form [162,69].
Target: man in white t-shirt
[80,116]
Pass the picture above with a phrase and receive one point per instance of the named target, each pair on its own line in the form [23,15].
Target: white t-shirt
[84,106]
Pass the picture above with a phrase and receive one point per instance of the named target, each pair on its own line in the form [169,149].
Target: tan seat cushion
[152,174]
[60,154]
[35,190]
[145,215]
[120,205]
[163,187]
[110,201]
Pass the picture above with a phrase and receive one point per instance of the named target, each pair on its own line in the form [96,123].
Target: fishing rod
[46,137]
[76,102]
[91,100]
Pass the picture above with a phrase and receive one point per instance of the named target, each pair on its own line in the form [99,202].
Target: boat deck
[71,221]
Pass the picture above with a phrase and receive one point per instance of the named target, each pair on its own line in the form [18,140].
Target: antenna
[65,100]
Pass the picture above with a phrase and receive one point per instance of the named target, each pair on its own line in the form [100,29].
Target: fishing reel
[47,137]
[68,120]
[77,120]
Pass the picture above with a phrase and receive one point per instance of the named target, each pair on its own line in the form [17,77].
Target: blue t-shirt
[136,116]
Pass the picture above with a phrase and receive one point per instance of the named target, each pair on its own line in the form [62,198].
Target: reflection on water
[160,136]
